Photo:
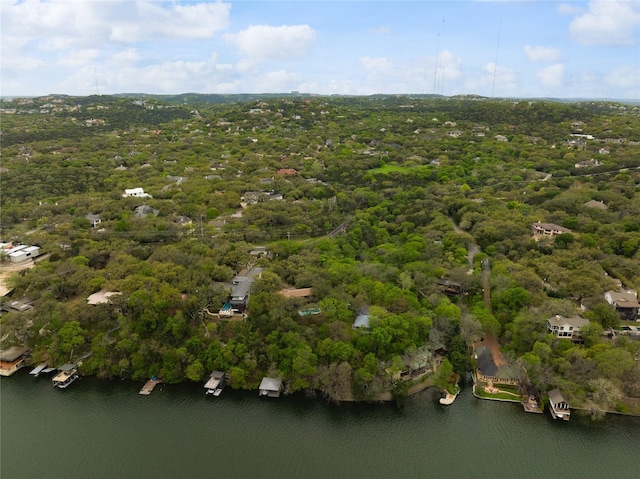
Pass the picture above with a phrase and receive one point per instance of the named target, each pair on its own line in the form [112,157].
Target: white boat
[66,375]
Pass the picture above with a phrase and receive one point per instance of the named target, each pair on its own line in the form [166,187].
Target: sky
[507,48]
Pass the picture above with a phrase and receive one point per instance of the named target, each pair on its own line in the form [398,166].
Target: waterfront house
[488,371]
[567,328]
[12,359]
[558,406]
[625,302]
[271,387]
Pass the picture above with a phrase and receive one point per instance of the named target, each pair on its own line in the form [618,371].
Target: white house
[136,192]
[568,328]
[23,253]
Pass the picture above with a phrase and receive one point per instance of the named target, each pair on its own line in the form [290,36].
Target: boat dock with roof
[216,383]
[67,373]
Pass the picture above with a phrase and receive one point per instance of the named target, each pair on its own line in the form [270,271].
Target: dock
[149,386]
[531,405]
[38,369]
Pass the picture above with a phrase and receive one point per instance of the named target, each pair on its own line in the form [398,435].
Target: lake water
[101,429]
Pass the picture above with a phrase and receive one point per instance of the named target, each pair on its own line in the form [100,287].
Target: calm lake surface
[102,429]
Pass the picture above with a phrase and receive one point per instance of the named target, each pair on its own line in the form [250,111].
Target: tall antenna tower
[435,73]
[495,64]
[95,76]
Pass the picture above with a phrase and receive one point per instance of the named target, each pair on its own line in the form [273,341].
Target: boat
[216,383]
[67,373]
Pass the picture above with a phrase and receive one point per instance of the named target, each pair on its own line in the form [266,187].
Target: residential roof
[296,293]
[18,305]
[555,396]
[624,299]
[550,226]
[486,365]
[271,384]
[575,321]
[596,204]
[101,297]
[12,353]
[362,321]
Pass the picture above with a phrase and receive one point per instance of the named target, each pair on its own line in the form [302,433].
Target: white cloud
[607,22]
[260,43]
[376,65]
[79,57]
[129,56]
[542,54]
[381,31]
[493,80]
[82,24]
[276,81]
[625,77]
[551,76]
[449,65]
[568,9]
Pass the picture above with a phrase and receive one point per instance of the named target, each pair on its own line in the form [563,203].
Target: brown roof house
[626,304]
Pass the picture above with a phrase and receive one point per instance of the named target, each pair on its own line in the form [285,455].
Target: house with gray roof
[548,229]
[566,328]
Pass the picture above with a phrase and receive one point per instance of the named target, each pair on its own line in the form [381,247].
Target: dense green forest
[370,201]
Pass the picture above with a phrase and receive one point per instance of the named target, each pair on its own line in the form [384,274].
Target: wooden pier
[149,385]
[530,404]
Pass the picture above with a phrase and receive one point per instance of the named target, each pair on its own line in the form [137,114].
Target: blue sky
[563,49]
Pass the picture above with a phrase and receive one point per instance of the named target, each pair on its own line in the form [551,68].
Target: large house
[12,359]
[625,302]
[238,300]
[488,371]
[567,328]
[548,229]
